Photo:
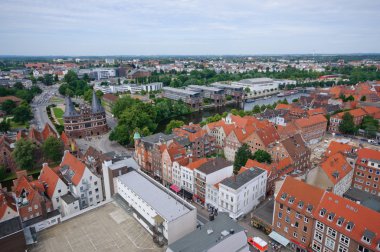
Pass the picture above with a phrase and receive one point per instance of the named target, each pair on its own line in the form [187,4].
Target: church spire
[96,106]
[69,108]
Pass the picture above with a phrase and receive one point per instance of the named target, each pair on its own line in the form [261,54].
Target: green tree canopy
[8,106]
[172,125]
[262,156]
[24,153]
[52,149]
[22,113]
[347,126]
[241,157]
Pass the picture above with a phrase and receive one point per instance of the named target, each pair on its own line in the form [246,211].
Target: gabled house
[83,183]
[8,208]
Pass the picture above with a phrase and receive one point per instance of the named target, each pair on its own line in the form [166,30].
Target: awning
[175,188]
[279,238]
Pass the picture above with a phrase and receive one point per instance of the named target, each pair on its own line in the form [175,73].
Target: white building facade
[239,194]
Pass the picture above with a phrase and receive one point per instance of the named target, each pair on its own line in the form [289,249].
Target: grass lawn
[15,125]
[58,113]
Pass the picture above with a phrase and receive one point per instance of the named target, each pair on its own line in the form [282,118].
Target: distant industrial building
[236,92]
[257,87]
[192,98]
[216,95]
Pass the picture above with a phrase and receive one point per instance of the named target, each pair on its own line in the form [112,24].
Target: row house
[202,144]
[8,208]
[294,208]
[37,137]
[313,128]
[367,171]
[220,130]
[171,153]
[333,174]
[335,120]
[31,198]
[342,225]
[295,148]
[188,176]
[6,159]
[83,183]
[264,135]
[235,140]
[275,171]
[148,152]
[208,174]
[239,194]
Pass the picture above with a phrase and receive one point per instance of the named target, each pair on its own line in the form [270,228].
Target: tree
[363,98]
[18,85]
[5,125]
[23,154]
[52,149]
[256,109]
[56,79]
[370,125]
[120,134]
[22,113]
[241,157]
[295,100]
[8,106]
[347,126]
[48,79]
[172,125]
[262,156]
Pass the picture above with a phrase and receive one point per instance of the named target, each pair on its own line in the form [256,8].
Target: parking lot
[106,228]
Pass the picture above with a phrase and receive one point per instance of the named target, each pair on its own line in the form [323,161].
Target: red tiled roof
[48,176]
[363,218]
[336,167]
[366,153]
[371,110]
[47,132]
[336,147]
[65,139]
[5,202]
[75,165]
[196,164]
[312,120]
[283,106]
[317,111]
[286,131]
[308,194]
[33,187]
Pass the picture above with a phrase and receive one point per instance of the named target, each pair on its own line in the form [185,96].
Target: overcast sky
[142,27]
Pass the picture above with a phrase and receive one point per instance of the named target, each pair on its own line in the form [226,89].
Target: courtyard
[106,228]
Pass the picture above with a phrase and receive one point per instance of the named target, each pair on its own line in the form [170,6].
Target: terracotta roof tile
[336,167]
[336,147]
[48,176]
[5,202]
[75,165]
[312,120]
[196,164]
[362,218]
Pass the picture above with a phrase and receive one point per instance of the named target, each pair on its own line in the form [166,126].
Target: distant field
[58,113]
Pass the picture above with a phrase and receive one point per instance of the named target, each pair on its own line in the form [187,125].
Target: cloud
[97,27]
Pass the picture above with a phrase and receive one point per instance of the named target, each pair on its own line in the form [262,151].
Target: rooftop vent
[209,231]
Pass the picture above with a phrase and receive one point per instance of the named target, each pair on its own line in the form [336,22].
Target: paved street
[39,104]
[103,144]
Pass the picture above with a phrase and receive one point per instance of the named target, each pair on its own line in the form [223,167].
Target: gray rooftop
[155,138]
[366,199]
[197,87]
[214,165]
[68,198]
[128,162]
[242,178]
[69,108]
[155,195]
[96,106]
[202,239]
[179,90]
[10,226]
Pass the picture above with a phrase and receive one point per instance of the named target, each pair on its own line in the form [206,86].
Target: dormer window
[350,226]
[339,222]
[368,236]
[309,208]
[322,212]
[291,200]
[330,216]
[283,196]
[300,204]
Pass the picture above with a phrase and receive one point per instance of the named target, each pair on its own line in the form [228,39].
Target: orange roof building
[8,208]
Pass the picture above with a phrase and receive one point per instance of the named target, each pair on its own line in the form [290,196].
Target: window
[316,247]
[36,206]
[331,232]
[305,229]
[344,240]
[295,235]
[59,190]
[318,236]
[322,212]
[339,222]
[288,210]
[349,226]
[30,209]
[303,239]
[320,226]
[287,219]
[286,229]
[278,224]
[296,224]
[342,249]
[298,216]
[281,206]
[306,220]
[362,249]
[366,239]
[279,214]
[330,243]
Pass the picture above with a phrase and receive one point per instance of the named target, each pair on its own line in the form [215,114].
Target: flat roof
[242,178]
[179,90]
[205,88]
[209,235]
[10,226]
[129,162]
[155,195]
